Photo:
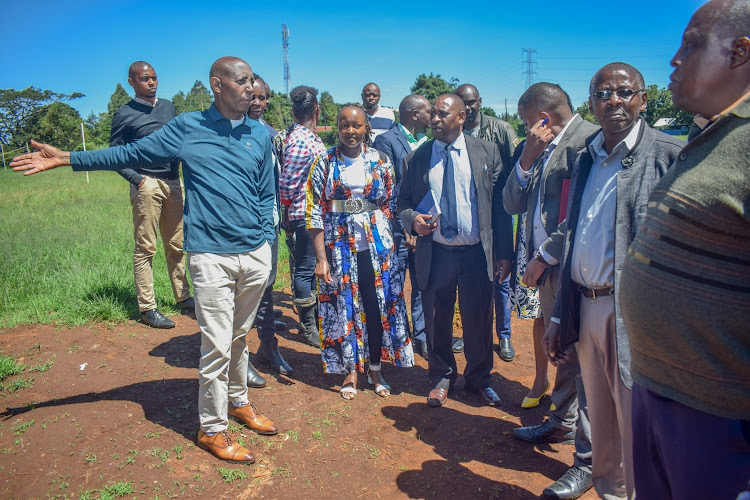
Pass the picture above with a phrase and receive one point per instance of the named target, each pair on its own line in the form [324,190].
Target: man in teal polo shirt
[229,187]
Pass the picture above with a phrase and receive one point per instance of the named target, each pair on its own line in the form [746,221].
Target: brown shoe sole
[262,433]
[227,460]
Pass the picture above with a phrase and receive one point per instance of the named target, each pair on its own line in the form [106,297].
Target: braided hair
[367,138]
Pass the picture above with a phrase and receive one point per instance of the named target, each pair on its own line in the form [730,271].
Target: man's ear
[740,52]
[215,83]
[130,82]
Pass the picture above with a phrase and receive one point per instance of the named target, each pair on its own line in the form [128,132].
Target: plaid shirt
[300,149]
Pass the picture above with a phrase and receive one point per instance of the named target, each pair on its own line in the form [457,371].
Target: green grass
[68,251]
[9,367]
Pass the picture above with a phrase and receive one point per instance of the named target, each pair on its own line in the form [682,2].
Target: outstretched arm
[47,158]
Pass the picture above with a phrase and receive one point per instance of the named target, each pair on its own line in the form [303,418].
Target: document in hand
[429,205]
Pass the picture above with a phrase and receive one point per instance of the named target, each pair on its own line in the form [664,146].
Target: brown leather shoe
[251,417]
[437,397]
[222,446]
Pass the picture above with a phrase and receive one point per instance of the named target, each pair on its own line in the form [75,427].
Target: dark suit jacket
[517,199]
[486,165]
[642,168]
[393,143]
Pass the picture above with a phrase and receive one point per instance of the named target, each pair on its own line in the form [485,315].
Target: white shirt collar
[459,143]
[597,145]
[145,102]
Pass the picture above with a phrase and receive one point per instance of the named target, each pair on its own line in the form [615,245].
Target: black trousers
[367,294]
[462,268]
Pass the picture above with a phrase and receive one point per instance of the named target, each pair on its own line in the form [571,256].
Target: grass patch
[21,427]
[116,490]
[9,367]
[231,475]
[68,251]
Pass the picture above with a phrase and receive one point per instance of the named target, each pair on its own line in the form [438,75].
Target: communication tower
[285,45]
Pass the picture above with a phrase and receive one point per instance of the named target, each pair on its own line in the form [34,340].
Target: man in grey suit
[397,142]
[456,252]
[538,186]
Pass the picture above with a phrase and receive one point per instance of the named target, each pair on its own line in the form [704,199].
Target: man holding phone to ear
[537,187]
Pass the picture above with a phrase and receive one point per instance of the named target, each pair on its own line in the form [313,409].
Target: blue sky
[87,46]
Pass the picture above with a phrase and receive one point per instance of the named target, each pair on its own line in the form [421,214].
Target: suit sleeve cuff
[547,257]
[522,176]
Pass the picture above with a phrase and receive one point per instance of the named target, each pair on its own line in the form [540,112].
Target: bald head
[231,80]
[731,17]
[467,90]
[137,67]
[447,117]
[414,113]
[617,67]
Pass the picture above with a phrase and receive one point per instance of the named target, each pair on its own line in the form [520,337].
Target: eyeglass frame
[617,93]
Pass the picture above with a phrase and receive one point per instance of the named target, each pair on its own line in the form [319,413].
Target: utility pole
[530,65]
[285,46]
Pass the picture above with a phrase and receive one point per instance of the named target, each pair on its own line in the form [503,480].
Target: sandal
[348,390]
[381,389]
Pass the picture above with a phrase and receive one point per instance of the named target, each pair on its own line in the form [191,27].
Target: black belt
[593,293]
[456,248]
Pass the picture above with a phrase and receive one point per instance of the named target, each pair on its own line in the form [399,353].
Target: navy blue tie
[449,217]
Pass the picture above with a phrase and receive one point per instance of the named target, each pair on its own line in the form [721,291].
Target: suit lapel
[402,140]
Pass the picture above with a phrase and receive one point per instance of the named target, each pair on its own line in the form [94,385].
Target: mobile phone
[542,278]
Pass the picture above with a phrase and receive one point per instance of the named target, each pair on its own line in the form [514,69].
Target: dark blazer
[393,143]
[642,168]
[517,199]
[486,165]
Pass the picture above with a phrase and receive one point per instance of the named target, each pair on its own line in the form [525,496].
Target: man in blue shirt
[226,159]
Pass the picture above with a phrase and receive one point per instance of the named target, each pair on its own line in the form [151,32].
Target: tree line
[45,116]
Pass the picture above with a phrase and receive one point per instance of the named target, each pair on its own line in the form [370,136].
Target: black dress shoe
[186,306]
[574,483]
[155,319]
[507,353]
[254,379]
[268,354]
[458,344]
[545,433]
[279,326]
[277,313]
[486,395]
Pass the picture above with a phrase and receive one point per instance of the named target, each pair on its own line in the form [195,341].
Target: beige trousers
[228,289]
[609,401]
[158,206]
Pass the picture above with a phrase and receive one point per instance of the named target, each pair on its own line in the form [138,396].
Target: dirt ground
[116,415]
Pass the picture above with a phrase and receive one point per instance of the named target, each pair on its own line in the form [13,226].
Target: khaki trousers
[609,401]
[158,205]
[228,289]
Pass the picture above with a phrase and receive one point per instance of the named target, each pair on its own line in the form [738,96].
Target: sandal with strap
[381,389]
[348,390]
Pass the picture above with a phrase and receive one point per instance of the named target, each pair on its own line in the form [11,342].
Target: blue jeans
[304,262]
[502,308]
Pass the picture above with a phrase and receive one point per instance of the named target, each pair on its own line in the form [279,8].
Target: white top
[381,120]
[353,176]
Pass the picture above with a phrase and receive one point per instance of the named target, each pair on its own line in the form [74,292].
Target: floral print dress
[343,331]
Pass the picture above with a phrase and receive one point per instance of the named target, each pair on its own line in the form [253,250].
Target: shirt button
[591,216]
[604,164]
[597,190]
[586,270]
[683,156]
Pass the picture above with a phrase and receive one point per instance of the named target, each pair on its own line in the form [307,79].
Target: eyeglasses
[624,94]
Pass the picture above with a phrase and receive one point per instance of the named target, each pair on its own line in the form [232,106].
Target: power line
[285,46]
[530,73]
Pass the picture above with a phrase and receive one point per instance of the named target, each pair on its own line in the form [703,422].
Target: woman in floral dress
[362,308]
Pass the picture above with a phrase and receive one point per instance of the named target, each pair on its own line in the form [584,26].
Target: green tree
[57,124]
[585,111]
[489,111]
[660,105]
[328,109]
[17,106]
[198,99]
[118,99]
[433,85]
[279,112]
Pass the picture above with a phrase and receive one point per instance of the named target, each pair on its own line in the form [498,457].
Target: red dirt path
[124,416]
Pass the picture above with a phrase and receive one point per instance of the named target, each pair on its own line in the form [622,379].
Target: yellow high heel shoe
[533,402]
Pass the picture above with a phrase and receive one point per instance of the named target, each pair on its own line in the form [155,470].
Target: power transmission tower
[530,65]
[285,46]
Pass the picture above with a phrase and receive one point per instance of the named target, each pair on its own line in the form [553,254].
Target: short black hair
[639,81]
[304,100]
[544,96]
[136,67]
